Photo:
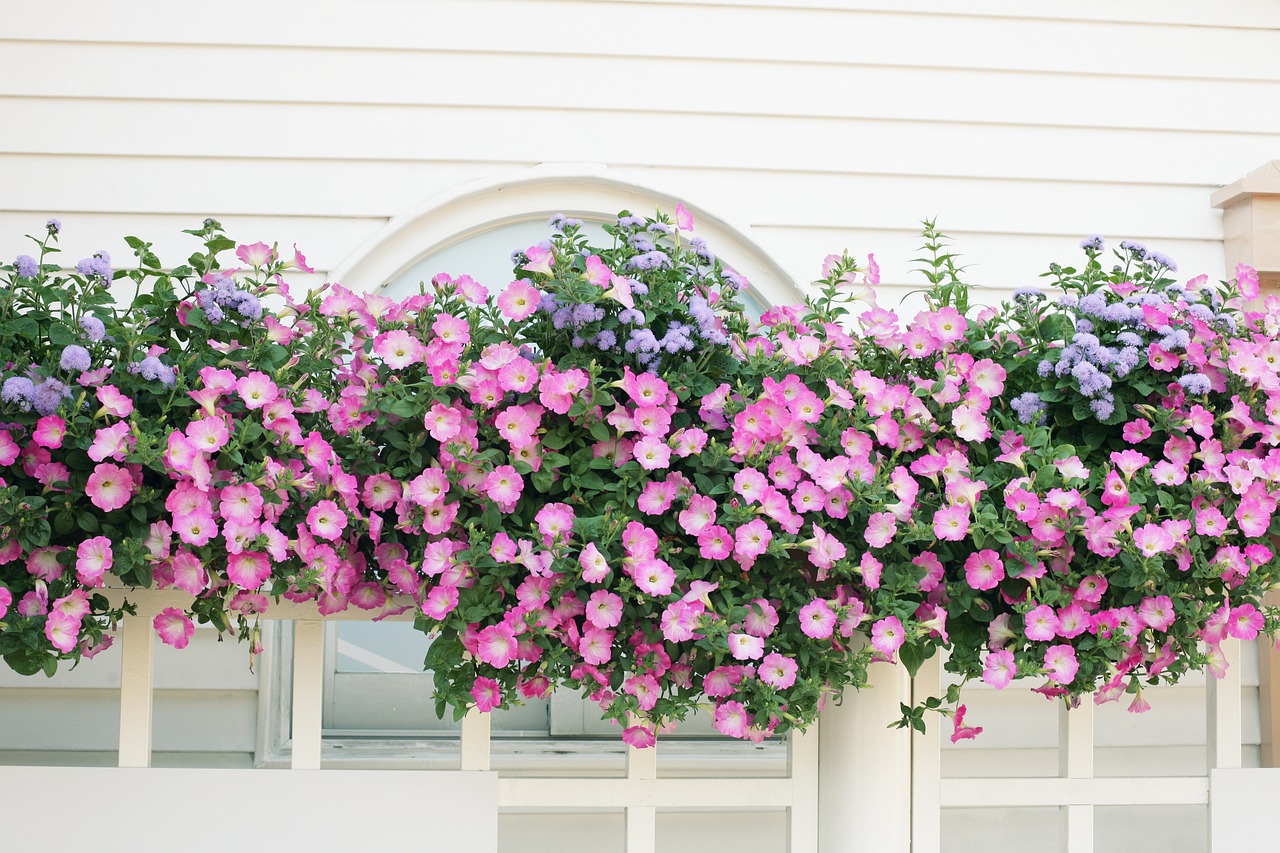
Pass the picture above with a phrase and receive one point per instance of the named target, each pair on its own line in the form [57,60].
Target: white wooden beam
[926,763]
[642,819]
[1075,761]
[1047,791]
[802,768]
[135,691]
[568,793]
[864,768]
[308,692]
[1224,719]
[475,738]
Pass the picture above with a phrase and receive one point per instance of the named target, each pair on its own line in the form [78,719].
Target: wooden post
[864,768]
[135,691]
[308,692]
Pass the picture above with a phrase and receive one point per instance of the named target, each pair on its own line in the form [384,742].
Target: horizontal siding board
[324,242]
[195,187]
[736,87]
[703,31]
[1260,14]
[742,142]
[1000,261]
[331,191]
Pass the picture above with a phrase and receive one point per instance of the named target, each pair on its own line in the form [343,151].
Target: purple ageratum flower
[1128,339]
[96,265]
[1044,368]
[650,261]
[1092,304]
[53,226]
[630,222]
[639,288]
[1128,359]
[26,267]
[18,390]
[1029,407]
[700,249]
[154,369]
[1161,260]
[606,340]
[1083,325]
[1103,407]
[1195,384]
[659,228]
[641,243]
[75,358]
[631,316]
[1137,250]
[1176,339]
[248,306]
[48,395]
[1027,294]
[642,341]
[1092,243]
[94,329]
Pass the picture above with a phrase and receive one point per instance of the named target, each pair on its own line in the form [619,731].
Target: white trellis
[1075,790]
[640,793]
[852,786]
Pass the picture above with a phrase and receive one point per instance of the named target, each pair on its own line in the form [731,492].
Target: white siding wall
[820,125]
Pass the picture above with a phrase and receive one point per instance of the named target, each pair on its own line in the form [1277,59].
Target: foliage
[605,477]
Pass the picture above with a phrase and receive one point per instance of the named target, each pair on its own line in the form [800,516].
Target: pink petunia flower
[777,671]
[93,560]
[174,627]
[109,486]
[888,635]
[999,668]
[1060,661]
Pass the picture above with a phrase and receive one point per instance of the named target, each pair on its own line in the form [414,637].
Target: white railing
[639,794]
[1075,789]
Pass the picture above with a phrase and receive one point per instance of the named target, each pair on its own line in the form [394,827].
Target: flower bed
[605,476]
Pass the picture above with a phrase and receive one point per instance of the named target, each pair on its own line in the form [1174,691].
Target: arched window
[374,685]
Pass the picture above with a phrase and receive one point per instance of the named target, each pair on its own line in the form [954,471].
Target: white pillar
[308,692]
[135,691]
[864,768]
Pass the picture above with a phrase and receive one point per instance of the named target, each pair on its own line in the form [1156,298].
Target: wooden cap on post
[1251,223]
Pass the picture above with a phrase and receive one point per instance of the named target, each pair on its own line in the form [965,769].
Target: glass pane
[380,647]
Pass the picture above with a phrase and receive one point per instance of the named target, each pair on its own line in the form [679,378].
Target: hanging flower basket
[603,475]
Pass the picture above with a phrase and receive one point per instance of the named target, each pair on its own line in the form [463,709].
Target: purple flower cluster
[25,266]
[94,329]
[223,296]
[1029,407]
[97,265]
[154,369]
[75,359]
[26,395]
[654,260]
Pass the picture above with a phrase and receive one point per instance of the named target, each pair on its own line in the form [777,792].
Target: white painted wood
[1242,808]
[857,807]
[766,34]
[308,692]
[642,820]
[926,762]
[1075,761]
[568,793]
[924,147]
[487,79]
[160,808]
[474,740]
[1113,791]
[802,768]
[1240,13]
[135,691]
[1224,719]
